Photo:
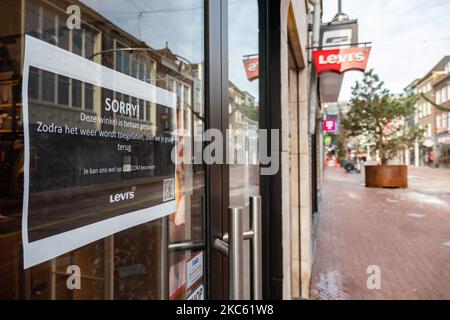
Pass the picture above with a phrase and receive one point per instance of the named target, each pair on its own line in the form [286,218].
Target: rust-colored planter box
[386,176]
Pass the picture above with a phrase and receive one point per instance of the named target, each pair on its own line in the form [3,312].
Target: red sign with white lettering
[341,60]
[251,65]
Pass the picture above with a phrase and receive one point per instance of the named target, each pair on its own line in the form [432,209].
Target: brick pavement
[404,232]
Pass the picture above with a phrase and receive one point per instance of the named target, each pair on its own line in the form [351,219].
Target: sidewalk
[404,232]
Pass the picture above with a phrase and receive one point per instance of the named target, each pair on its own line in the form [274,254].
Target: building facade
[442,89]
[427,114]
[97,98]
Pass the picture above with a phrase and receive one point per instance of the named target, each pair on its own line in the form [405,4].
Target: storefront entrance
[95,97]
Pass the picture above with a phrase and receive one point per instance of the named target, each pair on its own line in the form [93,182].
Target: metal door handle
[231,245]
[235,243]
[256,247]
[236,250]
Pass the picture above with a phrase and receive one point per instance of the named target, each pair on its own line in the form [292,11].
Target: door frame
[217,175]
[270,119]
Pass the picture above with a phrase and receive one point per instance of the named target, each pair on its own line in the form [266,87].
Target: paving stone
[373,231]
[416,215]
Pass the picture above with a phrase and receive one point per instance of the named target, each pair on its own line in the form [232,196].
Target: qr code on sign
[169,189]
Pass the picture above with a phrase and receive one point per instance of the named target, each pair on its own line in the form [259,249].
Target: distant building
[249,99]
[411,155]
[427,114]
[442,89]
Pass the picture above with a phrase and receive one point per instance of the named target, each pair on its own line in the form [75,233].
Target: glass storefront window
[149,41]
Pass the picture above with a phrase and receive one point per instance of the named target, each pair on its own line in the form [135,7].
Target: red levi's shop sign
[341,60]
[251,65]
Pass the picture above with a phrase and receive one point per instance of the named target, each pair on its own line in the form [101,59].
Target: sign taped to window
[98,149]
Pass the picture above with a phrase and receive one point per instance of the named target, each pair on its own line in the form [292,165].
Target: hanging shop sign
[335,35]
[327,140]
[339,34]
[341,60]
[95,168]
[329,125]
[251,65]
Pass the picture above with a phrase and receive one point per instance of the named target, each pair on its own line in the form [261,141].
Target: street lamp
[340,16]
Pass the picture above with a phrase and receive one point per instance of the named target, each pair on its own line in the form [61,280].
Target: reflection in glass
[158,42]
[63,90]
[243,95]
[243,92]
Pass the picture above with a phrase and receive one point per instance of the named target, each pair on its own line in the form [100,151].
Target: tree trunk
[383,157]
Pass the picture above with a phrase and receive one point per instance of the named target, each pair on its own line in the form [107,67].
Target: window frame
[56,15]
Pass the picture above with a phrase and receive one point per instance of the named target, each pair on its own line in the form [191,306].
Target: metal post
[236,253]
[256,225]
[340,16]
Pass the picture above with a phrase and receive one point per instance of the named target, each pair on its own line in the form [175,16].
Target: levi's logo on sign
[251,64]
[341,60]
[122,196]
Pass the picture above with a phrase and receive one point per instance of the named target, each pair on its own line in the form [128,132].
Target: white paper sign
[198,294]
[85,182]
[194,270]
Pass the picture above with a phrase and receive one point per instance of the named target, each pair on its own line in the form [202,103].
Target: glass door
[91,204]
[233,232]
